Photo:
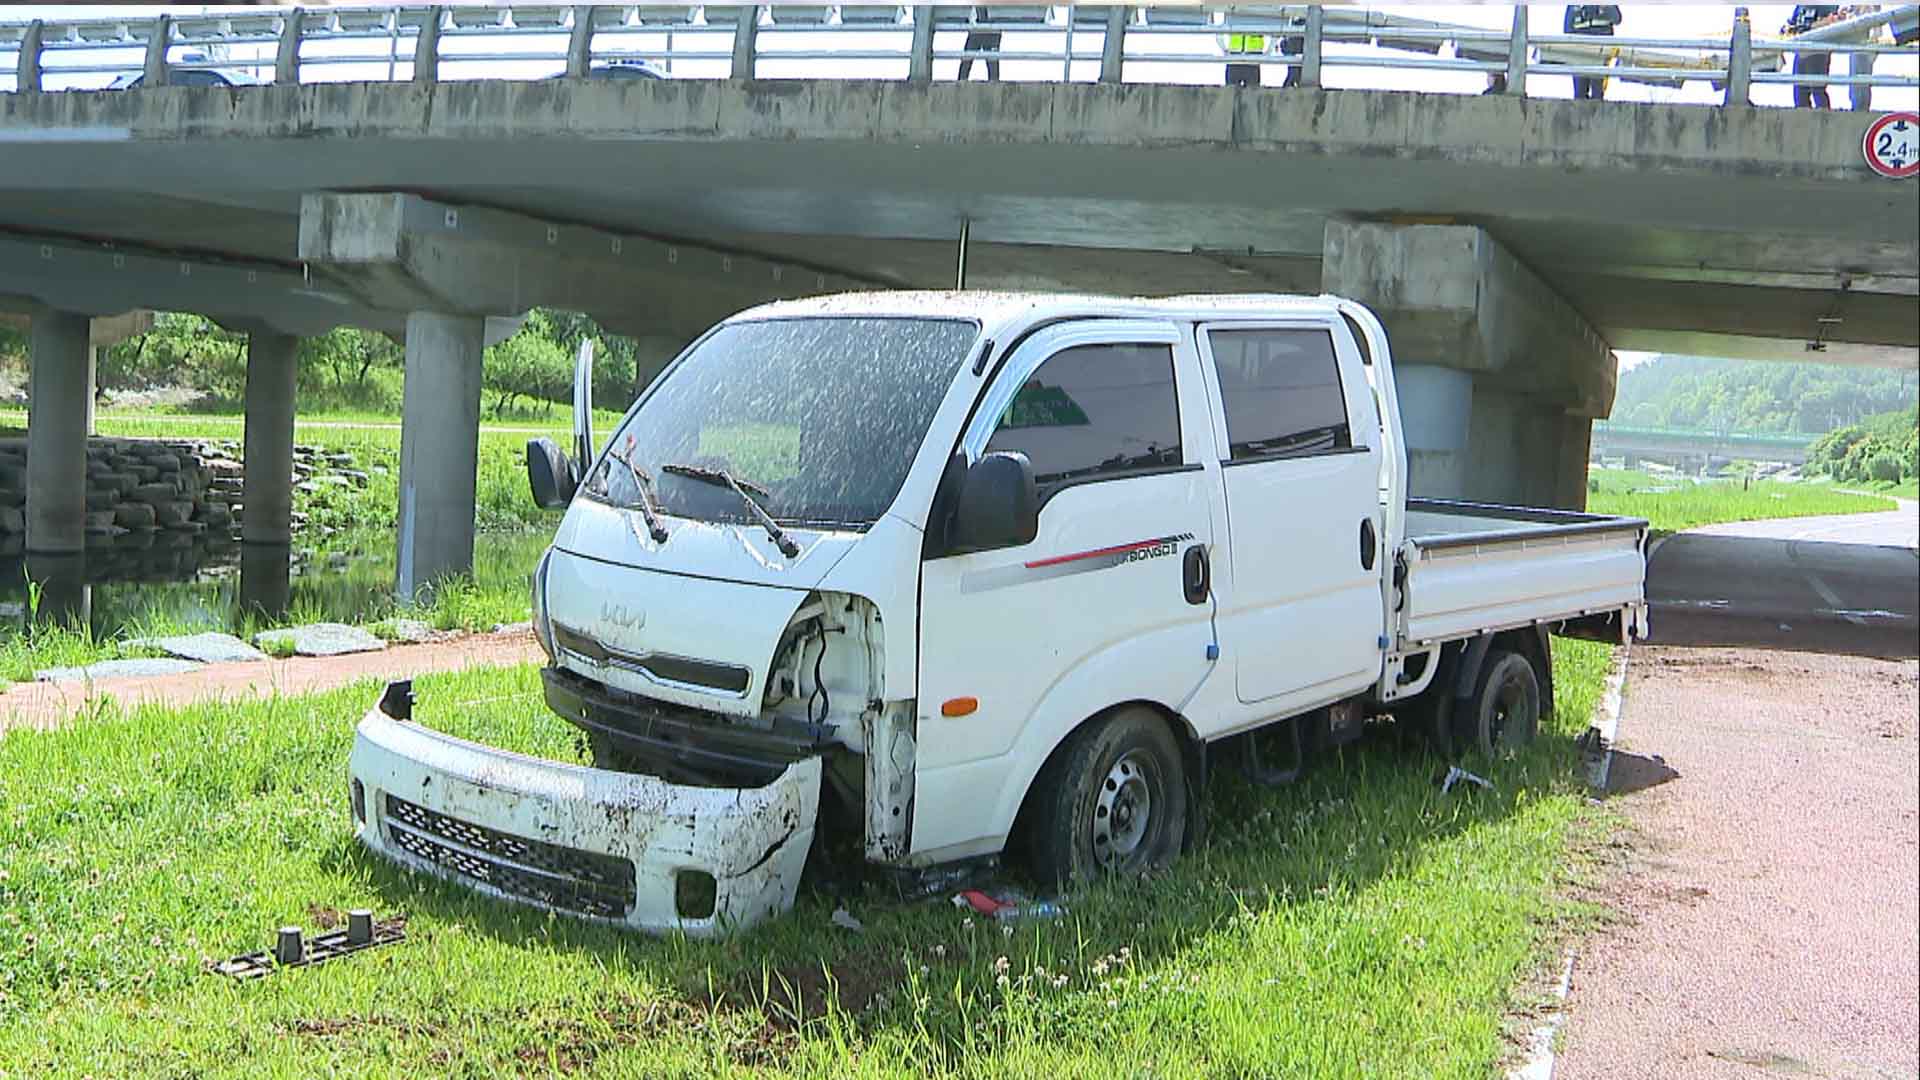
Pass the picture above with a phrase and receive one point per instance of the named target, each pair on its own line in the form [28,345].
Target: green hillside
[1697,393]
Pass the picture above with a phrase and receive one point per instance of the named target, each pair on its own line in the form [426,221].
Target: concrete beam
[439,449]
[102,332]
[57,434]
[266,514]
[1500,377]
[1452,295]
[1788,316]
[403,251]
[100,280]
[1743,347]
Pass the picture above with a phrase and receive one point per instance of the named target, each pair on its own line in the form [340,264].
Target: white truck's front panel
[677,638]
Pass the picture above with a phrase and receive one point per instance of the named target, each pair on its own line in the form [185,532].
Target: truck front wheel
[1112,800]
[1505,710]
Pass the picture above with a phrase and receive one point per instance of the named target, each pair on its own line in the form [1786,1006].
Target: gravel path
[48,704]
[1768,891]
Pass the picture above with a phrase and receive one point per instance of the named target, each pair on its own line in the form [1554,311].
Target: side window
[1281,391]
[1093,412]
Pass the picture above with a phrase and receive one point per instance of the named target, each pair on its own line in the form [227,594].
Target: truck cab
[940,568]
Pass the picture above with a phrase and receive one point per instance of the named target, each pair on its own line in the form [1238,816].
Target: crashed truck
[949,575]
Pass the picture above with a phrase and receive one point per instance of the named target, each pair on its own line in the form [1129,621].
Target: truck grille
[660,667]
[586,882]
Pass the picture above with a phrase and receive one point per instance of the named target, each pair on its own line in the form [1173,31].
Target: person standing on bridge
[1590,20]
[1293,46]
[1804,18]
[1244,74]
[987,41]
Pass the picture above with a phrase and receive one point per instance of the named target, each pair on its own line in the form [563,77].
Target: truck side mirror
[552,476]
[999,505]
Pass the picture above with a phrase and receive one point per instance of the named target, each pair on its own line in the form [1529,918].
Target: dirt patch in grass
[798,993]
[572,1044]
[326,1027]
[323,917]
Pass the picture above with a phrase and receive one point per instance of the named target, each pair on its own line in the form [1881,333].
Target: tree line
[359,370]
[1696,393]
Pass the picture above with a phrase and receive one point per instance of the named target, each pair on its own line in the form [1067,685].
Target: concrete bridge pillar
[439,448]
[59,396]
[1500,378]
[1436,411]
[266,515]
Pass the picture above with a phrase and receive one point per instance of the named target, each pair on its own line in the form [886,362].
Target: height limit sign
[1892,145]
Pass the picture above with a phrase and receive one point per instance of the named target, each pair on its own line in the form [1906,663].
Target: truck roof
[997,308]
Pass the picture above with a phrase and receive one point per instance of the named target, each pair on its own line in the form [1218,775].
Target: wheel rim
[1123,812]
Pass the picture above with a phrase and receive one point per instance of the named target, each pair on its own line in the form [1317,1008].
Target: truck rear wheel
[1113,799]
[1504,713]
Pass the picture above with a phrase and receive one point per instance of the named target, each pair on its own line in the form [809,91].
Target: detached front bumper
[610,846]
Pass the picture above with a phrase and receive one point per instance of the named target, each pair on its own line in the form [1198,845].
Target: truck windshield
[819,418]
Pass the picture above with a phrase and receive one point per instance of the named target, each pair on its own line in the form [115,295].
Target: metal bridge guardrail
[1107,43]
[1778,440]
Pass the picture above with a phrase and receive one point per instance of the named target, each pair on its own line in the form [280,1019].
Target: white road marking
[1539,1063]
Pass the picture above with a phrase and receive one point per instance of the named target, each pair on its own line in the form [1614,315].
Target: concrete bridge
[1613,440]
[1509,242]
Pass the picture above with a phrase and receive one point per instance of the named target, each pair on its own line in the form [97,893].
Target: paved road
[1893,528]
[1766,886]
[1844,584]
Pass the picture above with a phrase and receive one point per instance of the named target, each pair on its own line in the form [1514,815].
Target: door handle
[1196,575]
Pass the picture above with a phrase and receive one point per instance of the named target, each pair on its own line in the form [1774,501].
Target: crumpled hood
[728,552]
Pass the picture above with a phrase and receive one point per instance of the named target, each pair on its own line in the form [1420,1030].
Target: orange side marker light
[960,706]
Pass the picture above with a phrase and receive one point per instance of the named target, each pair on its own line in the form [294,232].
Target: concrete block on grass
[208,648]
[319,639]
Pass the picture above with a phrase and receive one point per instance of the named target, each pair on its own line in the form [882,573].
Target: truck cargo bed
[1475,567]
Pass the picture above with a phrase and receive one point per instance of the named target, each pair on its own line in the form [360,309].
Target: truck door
[1300,467]
[1113,416]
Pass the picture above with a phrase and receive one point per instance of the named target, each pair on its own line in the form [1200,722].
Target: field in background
[1356,922]
[1674,503]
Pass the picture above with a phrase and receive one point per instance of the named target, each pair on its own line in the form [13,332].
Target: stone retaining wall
[173,485]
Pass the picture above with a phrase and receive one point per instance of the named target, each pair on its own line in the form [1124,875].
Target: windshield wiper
[649,508]
[723,478]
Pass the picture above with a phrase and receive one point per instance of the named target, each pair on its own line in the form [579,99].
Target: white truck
[941,570]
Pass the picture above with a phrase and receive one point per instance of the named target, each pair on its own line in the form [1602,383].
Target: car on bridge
[188,76]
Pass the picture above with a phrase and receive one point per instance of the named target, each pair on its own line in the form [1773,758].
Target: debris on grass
[844,919]
[1456,775]
[1009,905]
[292,949]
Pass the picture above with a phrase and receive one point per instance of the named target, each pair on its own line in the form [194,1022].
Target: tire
[1504,712]
[1111,800]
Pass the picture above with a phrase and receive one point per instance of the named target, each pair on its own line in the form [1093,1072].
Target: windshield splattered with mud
[816,419]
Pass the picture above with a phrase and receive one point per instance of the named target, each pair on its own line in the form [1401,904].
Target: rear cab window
[1280,392]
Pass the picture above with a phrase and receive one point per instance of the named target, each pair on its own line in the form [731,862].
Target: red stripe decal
[1118,549]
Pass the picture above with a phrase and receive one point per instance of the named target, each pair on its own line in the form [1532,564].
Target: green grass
[1671,504]
[1905,489]
[1358,923]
